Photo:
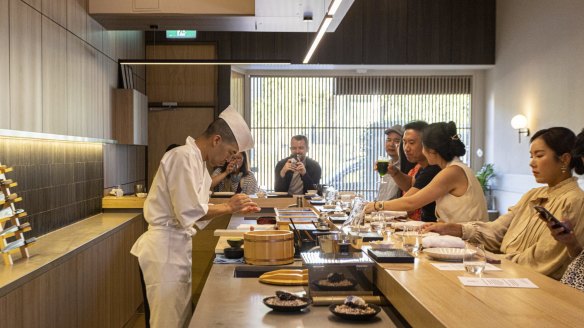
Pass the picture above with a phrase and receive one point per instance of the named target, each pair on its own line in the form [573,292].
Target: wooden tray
[285,277]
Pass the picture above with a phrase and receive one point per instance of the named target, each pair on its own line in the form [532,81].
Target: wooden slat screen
[344,119]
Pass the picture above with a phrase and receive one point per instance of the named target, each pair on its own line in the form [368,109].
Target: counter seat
[56,247]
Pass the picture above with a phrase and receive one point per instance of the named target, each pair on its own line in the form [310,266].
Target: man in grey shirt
[388,189]
[296,174]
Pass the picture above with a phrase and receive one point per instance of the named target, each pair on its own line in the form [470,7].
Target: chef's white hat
[238,127]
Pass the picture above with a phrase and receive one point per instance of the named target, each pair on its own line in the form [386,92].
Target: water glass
[410,237]
[474,258]
[261,193]
[377,223]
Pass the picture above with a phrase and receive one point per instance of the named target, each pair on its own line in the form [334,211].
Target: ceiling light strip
[333,7]
[321,31]
[200,62]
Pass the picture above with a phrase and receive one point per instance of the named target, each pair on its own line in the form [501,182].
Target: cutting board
[285,277]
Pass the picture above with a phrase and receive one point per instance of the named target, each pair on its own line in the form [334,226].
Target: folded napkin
[442,242]
[221,259]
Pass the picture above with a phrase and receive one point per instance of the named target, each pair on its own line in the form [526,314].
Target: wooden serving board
[285,277]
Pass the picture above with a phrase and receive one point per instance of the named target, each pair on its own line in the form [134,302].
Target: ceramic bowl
[235,242]
[233,252]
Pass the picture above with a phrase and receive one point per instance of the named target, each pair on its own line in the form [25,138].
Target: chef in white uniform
[177,205]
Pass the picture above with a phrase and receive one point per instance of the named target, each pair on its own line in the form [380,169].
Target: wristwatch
[378,207]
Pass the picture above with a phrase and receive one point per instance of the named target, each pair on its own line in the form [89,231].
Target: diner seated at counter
[235,176]
[296,174]
[519,234]
[420,175]
[455,189]
[574,275]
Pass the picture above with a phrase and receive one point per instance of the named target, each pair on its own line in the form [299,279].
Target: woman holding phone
[520,235]
[235,176]
[574,275]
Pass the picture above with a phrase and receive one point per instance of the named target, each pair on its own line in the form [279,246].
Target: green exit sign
[181,34]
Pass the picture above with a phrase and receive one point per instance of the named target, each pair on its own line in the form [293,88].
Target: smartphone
[545,215]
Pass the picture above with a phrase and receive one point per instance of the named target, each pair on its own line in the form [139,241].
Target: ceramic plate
[224,193]
[356,317]
[281,308]
[445,254]
[327,287]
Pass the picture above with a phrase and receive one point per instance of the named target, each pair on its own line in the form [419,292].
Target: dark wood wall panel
[377,32]
[473,33]
[429,31]
[345,45]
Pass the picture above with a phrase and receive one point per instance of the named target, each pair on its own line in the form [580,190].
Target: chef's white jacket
[178,198]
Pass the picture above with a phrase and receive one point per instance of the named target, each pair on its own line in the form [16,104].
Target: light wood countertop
[130,201]
[428,297]
[55,247]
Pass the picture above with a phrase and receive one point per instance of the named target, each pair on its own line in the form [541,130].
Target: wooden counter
[79,276]
[428,297]
[129,201]
[240,302]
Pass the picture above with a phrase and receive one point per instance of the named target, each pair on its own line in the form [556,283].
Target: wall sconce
[519,123]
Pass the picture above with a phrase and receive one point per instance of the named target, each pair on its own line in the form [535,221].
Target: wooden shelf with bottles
[12,238]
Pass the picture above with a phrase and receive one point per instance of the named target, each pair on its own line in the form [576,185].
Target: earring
[564,169]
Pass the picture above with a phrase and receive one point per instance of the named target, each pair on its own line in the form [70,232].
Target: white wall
[539,72]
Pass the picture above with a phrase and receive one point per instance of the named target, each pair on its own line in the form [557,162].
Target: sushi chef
[177,206]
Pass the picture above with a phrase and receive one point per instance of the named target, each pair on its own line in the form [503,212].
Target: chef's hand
[242,203]
[300,168]
[289,166]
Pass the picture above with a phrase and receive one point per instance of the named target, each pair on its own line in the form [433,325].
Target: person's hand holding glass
[382,166]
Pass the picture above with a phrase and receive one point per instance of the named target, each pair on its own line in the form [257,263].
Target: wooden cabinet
[130,117]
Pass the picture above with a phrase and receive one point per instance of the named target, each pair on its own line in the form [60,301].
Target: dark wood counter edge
[6,289]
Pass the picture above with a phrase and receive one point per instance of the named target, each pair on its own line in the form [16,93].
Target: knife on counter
[15,228]
[18,243]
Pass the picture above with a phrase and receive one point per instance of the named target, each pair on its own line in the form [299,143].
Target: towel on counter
[442,241]
[411,223]
[221,259]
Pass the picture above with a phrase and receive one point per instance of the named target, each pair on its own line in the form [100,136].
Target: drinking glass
[410,237]
[377,223]
[474,258]
[382,167]
[262,192]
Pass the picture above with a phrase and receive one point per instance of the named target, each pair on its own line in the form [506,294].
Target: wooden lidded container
[268,247]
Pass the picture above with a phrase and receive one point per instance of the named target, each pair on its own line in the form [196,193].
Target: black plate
[326,287]
[356,317]
[288,308]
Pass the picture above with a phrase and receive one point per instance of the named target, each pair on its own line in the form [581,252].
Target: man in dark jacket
[296,174]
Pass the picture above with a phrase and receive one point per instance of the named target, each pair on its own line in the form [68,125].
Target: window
[344,118]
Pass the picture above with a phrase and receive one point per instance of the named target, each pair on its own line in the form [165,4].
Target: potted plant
[485,174]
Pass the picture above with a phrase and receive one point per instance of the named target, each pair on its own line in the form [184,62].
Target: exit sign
[181,34]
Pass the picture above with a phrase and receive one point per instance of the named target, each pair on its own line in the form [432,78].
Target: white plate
[224,193]
[380,244]
[445,254]
[337,215]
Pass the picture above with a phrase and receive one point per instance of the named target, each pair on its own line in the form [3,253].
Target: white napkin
[442,241]
[400,225]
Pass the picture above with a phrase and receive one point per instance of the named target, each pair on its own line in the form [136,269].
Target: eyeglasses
[393,141]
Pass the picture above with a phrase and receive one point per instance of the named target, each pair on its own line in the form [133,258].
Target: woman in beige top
[519,234]
[456,191]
